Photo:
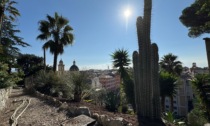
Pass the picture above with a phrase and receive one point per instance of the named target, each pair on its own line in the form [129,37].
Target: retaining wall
[4,95]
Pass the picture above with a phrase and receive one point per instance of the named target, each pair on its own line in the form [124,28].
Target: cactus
[146,70]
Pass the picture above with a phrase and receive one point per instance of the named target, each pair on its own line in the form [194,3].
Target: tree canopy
[30,63]
[170,64]
[120,59]
[197,18]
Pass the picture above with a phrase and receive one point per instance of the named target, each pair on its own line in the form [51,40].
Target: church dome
[74,67]
[61,61]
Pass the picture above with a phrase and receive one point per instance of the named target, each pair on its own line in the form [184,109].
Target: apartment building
[110,82]
[183,100]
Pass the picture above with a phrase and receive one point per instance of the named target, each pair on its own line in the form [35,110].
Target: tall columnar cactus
[146,69]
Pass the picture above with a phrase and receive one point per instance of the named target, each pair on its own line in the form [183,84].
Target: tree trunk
[55,61]
[207,42]
[44,60]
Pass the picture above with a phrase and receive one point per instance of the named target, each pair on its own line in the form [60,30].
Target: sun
[127,13]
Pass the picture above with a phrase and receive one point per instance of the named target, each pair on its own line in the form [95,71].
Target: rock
[129,124]
[95,116]
[81,120]
[118,121]
[104,120]
[82,111]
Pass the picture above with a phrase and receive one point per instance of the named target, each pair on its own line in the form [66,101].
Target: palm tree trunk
[163,103]
[44,60]
[207,42]
[55,61]
[172,103]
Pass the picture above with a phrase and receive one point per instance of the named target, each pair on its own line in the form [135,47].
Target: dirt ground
[41,113]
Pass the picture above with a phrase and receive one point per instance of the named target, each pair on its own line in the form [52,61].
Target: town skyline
[100,28]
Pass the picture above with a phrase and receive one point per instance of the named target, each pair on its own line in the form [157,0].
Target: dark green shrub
[98,96]
[81,88]
[52,84]
[112,101]
[124,109]
[7,79]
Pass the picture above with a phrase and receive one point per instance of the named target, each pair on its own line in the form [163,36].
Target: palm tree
[121,60]
[170,64]
[168,88]
[57,34]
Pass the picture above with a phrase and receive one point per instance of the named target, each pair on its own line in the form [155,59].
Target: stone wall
[4,95]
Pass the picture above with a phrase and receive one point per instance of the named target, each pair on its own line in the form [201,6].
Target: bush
[124,109]
[81,88]
[67,85]
[50,83]
[196,117]
[6,79]
[112,101]
[98,96]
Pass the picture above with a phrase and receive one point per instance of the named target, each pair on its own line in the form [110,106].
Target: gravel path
[41,113]
[38,113]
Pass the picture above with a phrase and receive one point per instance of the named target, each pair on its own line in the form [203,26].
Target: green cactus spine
[146,69]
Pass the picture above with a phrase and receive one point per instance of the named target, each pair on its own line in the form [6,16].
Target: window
[187,83]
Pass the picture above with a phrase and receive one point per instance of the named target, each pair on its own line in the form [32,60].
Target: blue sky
[100,28]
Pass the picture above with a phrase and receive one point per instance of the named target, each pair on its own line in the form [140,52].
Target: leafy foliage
[170,64]
[170,120]
[30,63]
[10,43]
[6,79]
[7,6]
[197,117]
[196,17]
[168,87]
[8,14]
[128,86]
[52,84]
[202,88]
[79,80]
[98,96]
[67,85]
[120,60]
[112,101]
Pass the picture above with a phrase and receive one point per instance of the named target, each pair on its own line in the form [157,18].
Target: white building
[183,100]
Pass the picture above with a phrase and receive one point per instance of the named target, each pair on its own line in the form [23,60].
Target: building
[98,79]
[95,83]
[183,100]
[61,67]
[74,67]
[110,82]
[198,70]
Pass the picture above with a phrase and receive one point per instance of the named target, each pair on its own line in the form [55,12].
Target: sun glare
[127,13]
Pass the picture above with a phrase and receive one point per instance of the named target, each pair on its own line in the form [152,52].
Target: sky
[100,28]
